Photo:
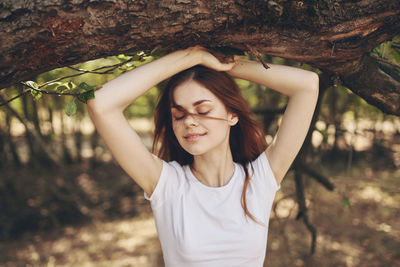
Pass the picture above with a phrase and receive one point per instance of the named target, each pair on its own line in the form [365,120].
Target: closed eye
[179,118]
[177,114]
[203,113]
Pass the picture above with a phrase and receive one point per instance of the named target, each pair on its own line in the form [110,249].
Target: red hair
[246,138]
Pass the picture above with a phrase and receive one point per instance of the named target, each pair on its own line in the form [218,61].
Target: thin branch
[15,97]
[60,79]
[96,71]
[118,65]
[49,92]
[82,71]
[110,68]
[314,174]
[257,55]
[38,91]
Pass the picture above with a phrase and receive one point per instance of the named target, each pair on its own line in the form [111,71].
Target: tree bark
[333,35]
[374,82]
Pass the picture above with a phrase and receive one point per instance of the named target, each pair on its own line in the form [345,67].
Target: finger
[226,66]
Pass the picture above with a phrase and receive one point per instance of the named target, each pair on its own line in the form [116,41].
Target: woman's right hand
[210,59]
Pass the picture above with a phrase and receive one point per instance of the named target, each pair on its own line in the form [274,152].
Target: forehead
[190,92]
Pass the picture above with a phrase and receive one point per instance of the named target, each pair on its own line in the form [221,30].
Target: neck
[215,169]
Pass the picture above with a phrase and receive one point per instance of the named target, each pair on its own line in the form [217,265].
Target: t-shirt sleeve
[167,185]
[263,171]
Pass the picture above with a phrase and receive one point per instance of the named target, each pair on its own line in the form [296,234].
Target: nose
[190,120]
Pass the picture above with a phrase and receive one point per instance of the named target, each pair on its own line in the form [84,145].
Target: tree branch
[13,98]
[94,71]
[303,209]
[81,72]
[384,60]
[375,83]
[49,92]
[67,33]
[313,174]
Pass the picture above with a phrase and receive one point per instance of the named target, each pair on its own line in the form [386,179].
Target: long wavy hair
[246,140]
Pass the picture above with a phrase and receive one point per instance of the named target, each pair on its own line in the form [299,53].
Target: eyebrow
[199,102]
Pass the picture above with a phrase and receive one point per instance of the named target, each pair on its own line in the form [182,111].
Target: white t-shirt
[202,226]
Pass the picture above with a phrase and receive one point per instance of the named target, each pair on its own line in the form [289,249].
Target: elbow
[96,106]
[313,82]
[315,85]
[311,87]
[92,106]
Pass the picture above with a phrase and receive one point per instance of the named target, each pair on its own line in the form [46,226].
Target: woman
[212,183]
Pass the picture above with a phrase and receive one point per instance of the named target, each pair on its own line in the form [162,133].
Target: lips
[193,136]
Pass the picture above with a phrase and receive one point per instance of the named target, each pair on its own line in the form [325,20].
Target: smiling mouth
[193,137]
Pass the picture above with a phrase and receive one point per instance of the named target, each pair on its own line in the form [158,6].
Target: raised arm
[301,87]
[106,111]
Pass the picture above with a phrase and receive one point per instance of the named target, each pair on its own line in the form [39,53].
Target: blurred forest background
[65,202]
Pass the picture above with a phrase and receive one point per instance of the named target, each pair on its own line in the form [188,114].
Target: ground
[363,231]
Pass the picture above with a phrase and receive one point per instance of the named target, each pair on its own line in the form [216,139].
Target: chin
[195,152]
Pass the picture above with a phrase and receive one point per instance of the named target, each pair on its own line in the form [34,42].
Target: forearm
[117,94]
[284,79]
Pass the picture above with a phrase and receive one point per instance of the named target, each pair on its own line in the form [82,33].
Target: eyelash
[200,113]
[178,119]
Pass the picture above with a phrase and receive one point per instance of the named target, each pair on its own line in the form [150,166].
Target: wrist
[194,56]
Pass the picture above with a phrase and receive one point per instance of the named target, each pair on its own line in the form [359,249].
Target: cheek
[176,127]
[217,124]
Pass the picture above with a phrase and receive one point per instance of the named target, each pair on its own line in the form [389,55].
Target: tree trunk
[35,117]
[333,35]
[31,131]
[78,139]
[65,151]
[28,136]
[3,155]
[10,142]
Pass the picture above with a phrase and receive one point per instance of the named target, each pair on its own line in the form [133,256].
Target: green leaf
[85,86]
[346,203]
[84,97]
[396,56]
[138,58]
[70,108]
[71,85]
[123,57]
[62,88]
[53,86]
[36,95]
